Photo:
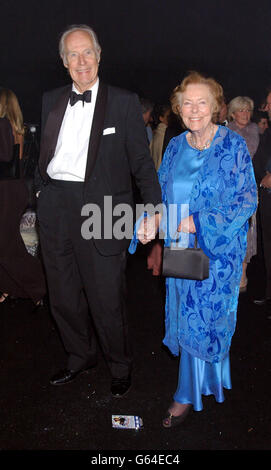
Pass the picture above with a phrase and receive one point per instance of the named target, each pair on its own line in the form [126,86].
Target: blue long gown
[216,186]
[196,377]
[201,315]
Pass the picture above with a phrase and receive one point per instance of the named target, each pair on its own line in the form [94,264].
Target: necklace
[207,143]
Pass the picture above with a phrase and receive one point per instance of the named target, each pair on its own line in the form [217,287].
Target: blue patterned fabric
[200,316]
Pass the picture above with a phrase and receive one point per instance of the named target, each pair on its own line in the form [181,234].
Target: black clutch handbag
[11,169]
[185,263]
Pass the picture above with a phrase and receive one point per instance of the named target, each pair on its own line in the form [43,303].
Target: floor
[77,416]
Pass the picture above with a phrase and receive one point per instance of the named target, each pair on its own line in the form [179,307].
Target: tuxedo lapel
[56,116]
[52,128]
[97,128]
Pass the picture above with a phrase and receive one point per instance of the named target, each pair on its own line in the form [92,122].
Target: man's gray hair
[78,27]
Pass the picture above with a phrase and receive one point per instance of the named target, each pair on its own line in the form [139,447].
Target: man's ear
[64,62]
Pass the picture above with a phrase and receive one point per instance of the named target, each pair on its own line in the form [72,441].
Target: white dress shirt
[70,158]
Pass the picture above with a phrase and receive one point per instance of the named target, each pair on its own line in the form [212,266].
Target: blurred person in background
[21,274]
[262,168]
[147,109]
[156,145]
[261,119]
[240,111]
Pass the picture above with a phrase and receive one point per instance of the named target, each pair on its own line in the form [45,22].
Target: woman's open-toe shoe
[171,421]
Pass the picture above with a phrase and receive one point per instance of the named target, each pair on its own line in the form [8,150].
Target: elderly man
[93,139]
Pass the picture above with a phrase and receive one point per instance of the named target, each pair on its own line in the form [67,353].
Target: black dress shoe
[65,376]
[120,386]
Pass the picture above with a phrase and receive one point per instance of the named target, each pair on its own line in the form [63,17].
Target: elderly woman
[240,110]
[208,169]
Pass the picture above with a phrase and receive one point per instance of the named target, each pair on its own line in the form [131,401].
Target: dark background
[147,45]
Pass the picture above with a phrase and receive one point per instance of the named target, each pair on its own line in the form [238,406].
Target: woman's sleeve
[237,201]
[6,141]
[164,167]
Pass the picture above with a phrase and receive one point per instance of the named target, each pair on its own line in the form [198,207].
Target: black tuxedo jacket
[112,156]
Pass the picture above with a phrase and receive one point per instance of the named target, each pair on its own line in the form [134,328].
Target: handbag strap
[177,235]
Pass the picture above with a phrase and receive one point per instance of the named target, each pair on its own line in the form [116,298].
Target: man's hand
[148,228]
[187,225]
[266,181]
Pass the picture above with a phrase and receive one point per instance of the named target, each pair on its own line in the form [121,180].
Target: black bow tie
[85,97]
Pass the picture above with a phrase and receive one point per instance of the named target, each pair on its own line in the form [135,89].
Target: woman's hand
[187,225]
[148,228]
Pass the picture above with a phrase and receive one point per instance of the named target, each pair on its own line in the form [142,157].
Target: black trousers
[82,282]
[265,217]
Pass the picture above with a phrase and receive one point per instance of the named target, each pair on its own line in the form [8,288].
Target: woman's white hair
[78,27]
[239,102]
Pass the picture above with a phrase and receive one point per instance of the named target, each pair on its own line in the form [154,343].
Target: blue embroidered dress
[219,186]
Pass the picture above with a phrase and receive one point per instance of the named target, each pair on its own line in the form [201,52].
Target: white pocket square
[109,130]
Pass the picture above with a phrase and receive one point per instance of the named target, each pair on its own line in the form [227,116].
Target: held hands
[187,225]
[148,228]
[266,181]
